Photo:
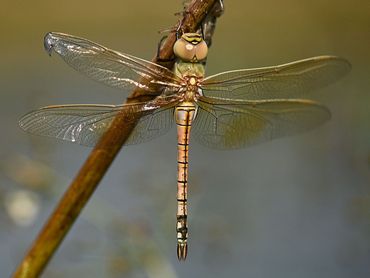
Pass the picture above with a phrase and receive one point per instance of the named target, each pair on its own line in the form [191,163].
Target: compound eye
[184,50]
[201,50]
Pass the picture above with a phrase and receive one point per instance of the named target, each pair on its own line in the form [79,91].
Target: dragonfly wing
[292,80]
[85,124]
[232,124]
[152,125]
[110,67]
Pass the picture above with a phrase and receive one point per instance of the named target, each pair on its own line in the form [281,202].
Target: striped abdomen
[185,112]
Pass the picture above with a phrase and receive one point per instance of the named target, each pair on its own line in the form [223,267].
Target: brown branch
[98,162]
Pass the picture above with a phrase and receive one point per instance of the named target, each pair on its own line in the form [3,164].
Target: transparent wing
[292,80]
[85,124]
[110,67]
[232,124]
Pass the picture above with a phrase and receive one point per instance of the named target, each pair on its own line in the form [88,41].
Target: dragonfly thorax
[189,96]
[191,88]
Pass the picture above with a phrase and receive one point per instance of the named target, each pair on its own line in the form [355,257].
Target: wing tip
[347,66]
[24,121]
[49,42]
[346,63]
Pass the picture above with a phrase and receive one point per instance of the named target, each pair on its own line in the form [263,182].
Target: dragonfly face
[191,48]
[229,110]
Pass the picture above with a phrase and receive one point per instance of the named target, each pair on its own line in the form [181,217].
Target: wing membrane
[232,124]
[110,67]
[85,124]
[292,80]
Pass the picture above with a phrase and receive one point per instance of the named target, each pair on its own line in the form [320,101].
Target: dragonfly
[229,110]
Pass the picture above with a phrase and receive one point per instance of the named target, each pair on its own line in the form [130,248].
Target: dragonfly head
[191,48]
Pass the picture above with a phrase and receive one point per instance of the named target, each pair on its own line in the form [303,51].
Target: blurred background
[294,207]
